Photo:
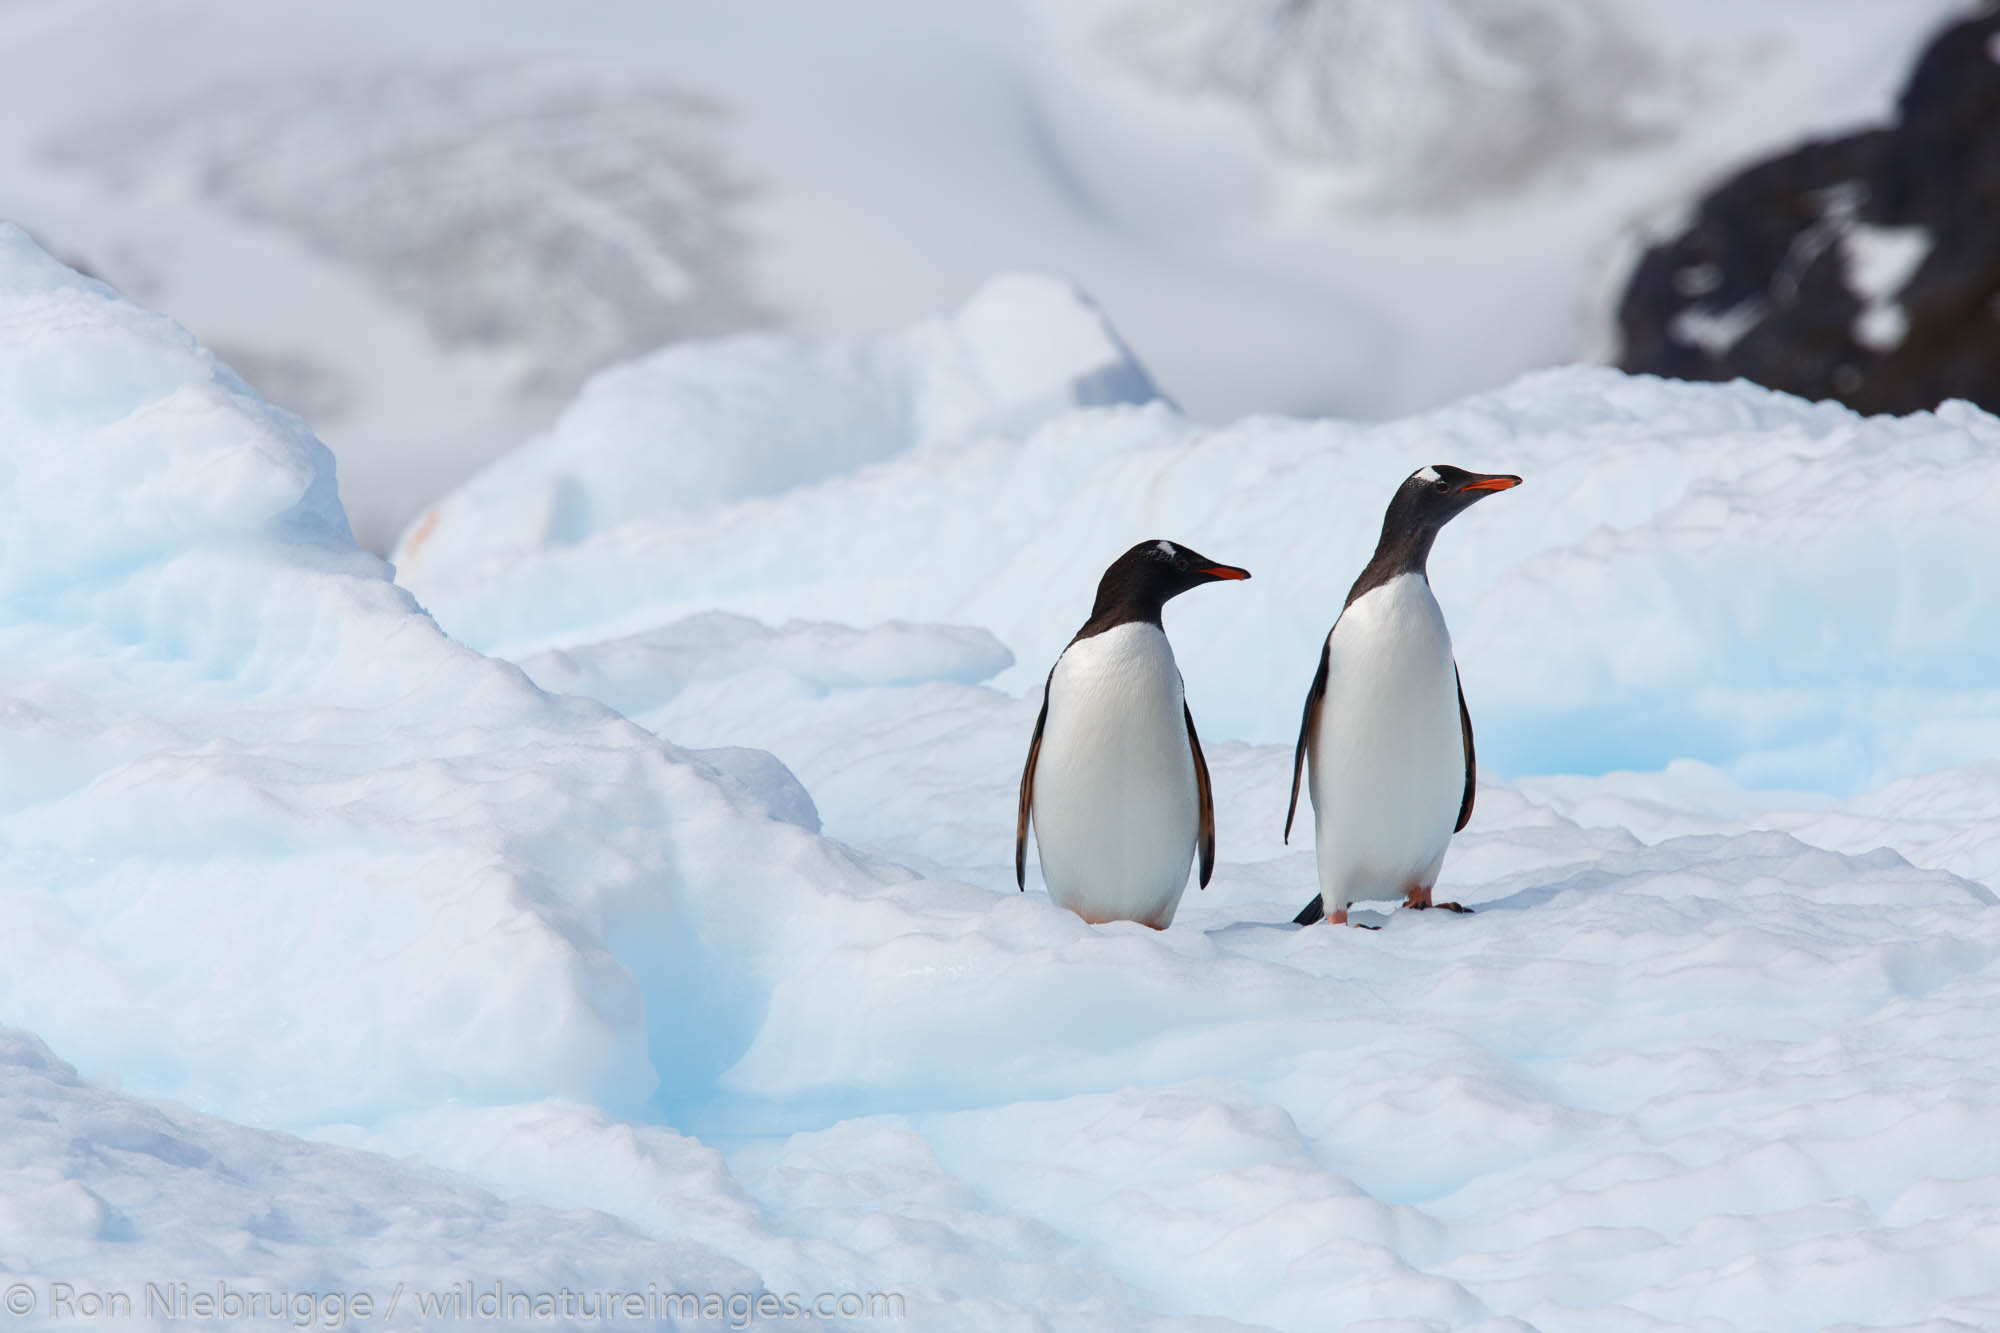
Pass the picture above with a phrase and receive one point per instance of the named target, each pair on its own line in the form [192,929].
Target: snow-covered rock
[1858,267]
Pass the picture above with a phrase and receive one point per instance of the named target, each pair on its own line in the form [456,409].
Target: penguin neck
[1122,604]
[1403,549]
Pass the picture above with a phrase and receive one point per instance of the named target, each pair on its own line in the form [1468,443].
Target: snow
[454,979]
[1511,89]
[1880,261]
[198,657]
[1767,583]
[1715,332]
[424,226]
[106,1193]
[712,432]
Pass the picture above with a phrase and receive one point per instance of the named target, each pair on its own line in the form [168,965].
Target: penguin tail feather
[1311,912]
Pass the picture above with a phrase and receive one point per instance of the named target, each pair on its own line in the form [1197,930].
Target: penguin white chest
[1115,805]
[1387,754]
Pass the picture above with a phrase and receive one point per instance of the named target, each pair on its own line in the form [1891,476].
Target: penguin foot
[1418,898]
[1315,911]
[1459,908]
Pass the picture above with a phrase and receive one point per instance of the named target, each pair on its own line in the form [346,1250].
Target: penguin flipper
[1311,912]
[1206,838]
[1471,767]
[1028,790]
[1314,697]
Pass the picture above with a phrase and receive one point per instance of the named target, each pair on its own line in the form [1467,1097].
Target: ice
[421,226]
[263,752]
[696,426]
[106,1193]
[762,780]
[679,670]
[466,980]
[1717,573]
[647,672]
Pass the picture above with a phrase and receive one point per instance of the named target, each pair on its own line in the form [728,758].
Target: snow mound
[270,841]
[105,1192]
[1942,818]
[1714,572]
[761,779]
[641,673]
[699,425]
[691,675]
[868,719]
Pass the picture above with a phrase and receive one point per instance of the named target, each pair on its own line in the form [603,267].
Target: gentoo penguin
[1385,735]
[1115,783]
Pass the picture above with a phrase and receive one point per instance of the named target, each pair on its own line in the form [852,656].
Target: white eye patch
[1428,474]
[1166,549]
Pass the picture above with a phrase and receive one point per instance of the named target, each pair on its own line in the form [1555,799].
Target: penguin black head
[1427,500]
[1433,496]
[1145,578]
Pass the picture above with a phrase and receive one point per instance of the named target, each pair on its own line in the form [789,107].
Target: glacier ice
[1711,1053]
[696,424]
[1780,589]
[257,802]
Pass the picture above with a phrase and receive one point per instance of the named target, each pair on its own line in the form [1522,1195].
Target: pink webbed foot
[1419,897]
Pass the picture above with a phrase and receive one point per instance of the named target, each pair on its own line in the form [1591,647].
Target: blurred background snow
[424,227]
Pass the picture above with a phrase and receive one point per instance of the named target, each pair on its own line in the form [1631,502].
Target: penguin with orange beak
[1115,786]
[1385,745]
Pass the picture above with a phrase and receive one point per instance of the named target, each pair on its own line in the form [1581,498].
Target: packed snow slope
[422,226]
[1778,588]
[238,748]
[1707,1056]
[105,1193]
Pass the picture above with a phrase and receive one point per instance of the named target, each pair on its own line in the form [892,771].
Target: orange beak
[1492,484]
[1224,572]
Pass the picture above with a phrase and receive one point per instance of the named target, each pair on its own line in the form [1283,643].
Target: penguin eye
[1181,564]
[1440,485]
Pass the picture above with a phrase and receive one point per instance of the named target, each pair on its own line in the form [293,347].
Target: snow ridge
[273,845]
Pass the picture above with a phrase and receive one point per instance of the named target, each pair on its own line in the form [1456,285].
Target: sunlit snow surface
[1728,574]
[1710,1054]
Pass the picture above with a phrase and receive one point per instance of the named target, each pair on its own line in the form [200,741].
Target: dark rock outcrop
[1865,268]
